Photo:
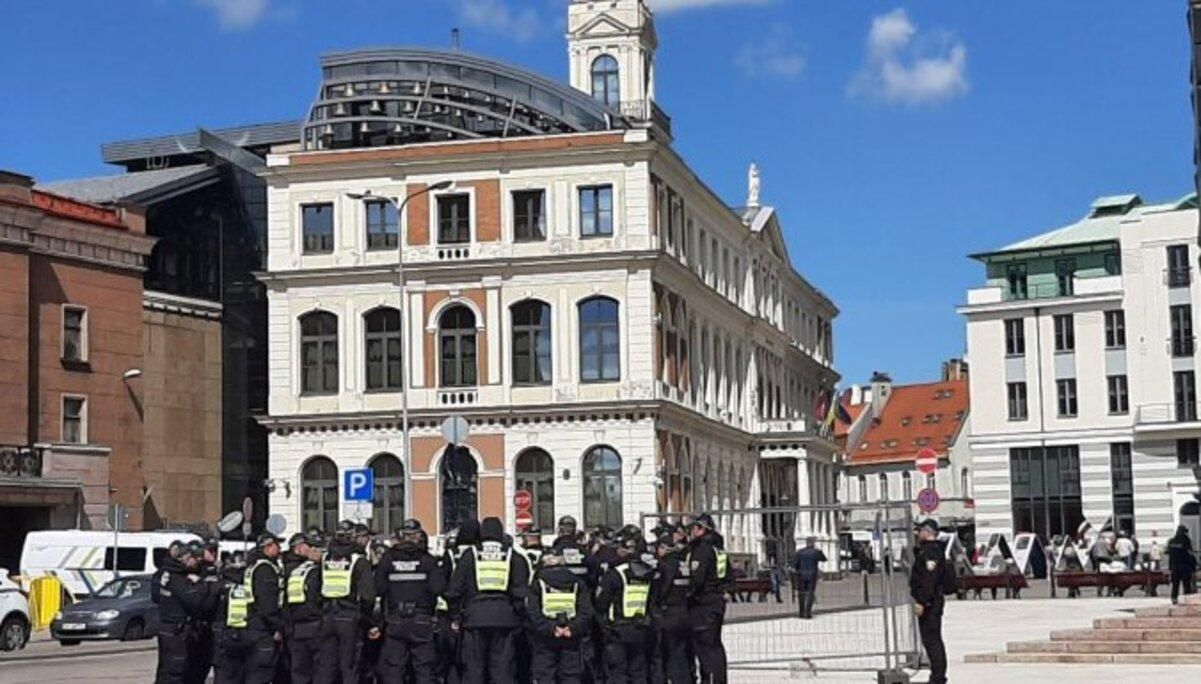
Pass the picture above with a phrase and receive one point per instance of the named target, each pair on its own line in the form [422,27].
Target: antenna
[454,39]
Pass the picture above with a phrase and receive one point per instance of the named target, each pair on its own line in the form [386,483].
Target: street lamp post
[399,206]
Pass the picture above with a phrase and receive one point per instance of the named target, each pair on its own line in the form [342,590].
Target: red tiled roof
[840,428]
[915,417]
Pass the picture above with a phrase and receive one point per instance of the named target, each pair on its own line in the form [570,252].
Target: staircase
[1168,635]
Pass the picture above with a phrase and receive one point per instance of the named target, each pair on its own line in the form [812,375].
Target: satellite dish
[230,523]
[276,524]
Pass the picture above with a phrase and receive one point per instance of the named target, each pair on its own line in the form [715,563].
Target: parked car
[14,614]
[121,609]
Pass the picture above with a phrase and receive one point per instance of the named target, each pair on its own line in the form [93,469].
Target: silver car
[121,609]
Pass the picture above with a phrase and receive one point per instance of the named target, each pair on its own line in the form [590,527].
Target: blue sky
[894,137]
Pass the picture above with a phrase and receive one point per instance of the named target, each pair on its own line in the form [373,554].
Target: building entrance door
[18,522]
[459,476]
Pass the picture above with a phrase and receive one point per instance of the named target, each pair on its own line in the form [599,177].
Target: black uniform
[558,660]
[204,645]
[228,639]
[928,582]
[707,606]
[410,580]
[669,618]
[1181,563]
[622,605]
[489,617]
[302,579]
[250,654]
[348,592]
[448,640]
[181,604]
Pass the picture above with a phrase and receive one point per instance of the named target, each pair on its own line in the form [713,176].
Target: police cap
[567,524]
[410,526]
[267,539]
[705,521]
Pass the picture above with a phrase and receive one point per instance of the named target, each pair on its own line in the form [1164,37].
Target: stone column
[804,498]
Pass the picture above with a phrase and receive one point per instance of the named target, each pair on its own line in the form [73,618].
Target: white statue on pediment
[753,184]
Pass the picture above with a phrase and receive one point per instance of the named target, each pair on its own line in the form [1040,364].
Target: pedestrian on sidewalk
[1181,562]
[807,569]
[931,579]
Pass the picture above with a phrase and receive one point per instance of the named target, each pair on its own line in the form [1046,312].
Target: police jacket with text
[302,590]
[181,595]
[501,602]
[266,584]
[707,580]
[348,582]
[558,598]
[931,576]
[670,588]
[624,599]
[410,580]
[228,578]
[575,558]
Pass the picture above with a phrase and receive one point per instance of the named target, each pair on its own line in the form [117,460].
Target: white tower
[611,45]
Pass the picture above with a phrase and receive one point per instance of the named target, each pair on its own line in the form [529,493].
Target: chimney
[881,391]
[15,187]
[954,369]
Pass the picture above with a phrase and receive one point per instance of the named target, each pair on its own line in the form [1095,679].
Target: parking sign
[358,485]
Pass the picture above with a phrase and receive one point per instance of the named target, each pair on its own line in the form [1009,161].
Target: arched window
[383,347]
[605,80]
[907,486]
[531,343]
[456,335]
[389,496]
[536,475]
[884,493]
[319,353]
[602,488]
[600,340]
[319,494]
[460,487]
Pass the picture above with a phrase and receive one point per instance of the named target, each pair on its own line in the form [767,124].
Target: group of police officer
[353,608]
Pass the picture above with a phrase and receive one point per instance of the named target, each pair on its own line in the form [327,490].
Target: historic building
[1083,383]
[620,340]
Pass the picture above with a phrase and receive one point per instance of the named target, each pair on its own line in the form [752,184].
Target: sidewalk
[42,646]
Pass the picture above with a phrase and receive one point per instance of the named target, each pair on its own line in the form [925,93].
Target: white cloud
[237,15]
[496,16]
[673,5]
[903,66]
[778,53]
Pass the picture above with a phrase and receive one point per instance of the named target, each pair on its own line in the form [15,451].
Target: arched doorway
[459,480]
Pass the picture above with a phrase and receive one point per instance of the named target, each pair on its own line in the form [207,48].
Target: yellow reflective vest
[723,563]
[559,603]
[237,607]
[336,576]
[248,578]
[635,596]
[297,580]
[492,568]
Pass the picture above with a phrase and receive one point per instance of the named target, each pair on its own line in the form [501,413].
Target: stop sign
[522,500]
[927,461]
[524,520]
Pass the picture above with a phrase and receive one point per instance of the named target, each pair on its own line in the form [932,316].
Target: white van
[83,559]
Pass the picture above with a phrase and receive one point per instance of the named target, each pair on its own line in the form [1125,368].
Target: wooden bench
[1116,582]
[1013,584]
[744,587]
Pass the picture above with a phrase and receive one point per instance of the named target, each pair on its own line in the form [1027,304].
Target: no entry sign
[523,520]
[927,461]
[927,500]
[522,500]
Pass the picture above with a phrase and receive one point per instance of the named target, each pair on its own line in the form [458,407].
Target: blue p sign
[358,485]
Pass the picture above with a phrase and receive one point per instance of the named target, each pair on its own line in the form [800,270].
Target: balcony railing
[1167,414]
[647,110]
[1080,287]
[20,462]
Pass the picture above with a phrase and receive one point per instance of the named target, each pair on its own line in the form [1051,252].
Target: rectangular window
[1119,395]
[1179,270]
[1065,333]
[382,230]
[74,427]
[1186,395]
[1066,390]
[75,334]
[1182,329]
[1017,401]
[1113,264]
[1015,337]
[596,211]
[1123,487]
[129,559]
[1188,452]
[1015,275]
[1046,490]
[317,224]
[1115,329]
[1065,273]
[454,219]
[529,215]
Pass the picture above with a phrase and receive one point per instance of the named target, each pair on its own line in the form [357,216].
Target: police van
[83,560]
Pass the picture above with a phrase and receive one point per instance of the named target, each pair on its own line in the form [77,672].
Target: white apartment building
[620,340]
[1083,382]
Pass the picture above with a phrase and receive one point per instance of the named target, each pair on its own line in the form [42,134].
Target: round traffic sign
[927,500]
[455,430]
[524,520]
[927,461]
[523,500]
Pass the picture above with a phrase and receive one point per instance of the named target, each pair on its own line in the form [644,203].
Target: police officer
[449,637]
[232,573]
[560,616]
[669,611]
[489,589]
[409,579]
[204,646]
[531,544]
[174,552]
[348,603]
[302,573]
[622,604]
[929,580]
[709,568]
[574,552]
[254,617]
[181,603]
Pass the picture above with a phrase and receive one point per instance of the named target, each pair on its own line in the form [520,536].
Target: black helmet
[193,549]
[409,526]
[567,526]
[175,549]
[266,539]
[705,521]
[361,530]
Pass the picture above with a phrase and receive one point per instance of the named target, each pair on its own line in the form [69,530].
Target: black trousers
[173,655]
[488,655]
[247,657]
[339,659]
[449,647]
[675,649]
[930,627]
[626,662]
[807,587]
[556,661]
[409,642]
[706,642]
[303,649]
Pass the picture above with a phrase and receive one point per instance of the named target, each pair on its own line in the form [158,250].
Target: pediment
[602,26]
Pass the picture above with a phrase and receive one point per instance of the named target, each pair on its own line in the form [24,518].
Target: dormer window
[606,83]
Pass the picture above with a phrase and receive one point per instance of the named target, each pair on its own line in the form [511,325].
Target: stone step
[1106,647]
[1126,635]
[1085,658]
[1148,623]
[1191,600]
[1169,611]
